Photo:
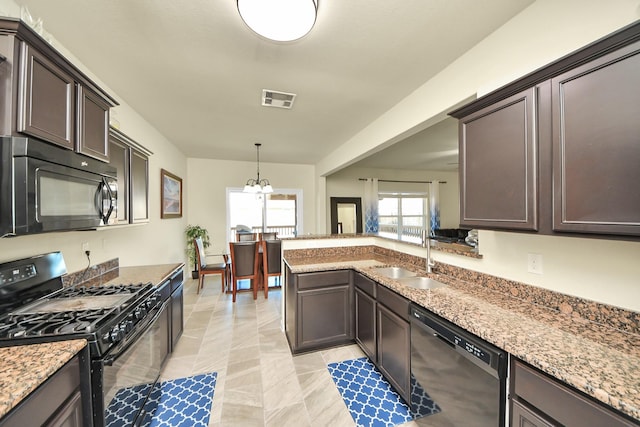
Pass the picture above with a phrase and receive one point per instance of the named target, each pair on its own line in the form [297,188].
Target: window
[279,211]
[403,216]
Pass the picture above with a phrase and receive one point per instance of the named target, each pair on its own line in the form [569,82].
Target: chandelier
[279,20]
[258,186]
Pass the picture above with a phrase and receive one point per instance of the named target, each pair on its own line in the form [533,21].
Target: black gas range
[119,322]
[35,306]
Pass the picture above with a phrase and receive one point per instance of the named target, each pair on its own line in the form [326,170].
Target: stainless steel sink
[421,282]
[394,272]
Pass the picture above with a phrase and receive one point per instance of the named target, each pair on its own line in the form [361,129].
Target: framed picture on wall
[170,195]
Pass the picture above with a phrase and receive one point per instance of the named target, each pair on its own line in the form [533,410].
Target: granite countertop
[146,273]
[601,361]
[25,367]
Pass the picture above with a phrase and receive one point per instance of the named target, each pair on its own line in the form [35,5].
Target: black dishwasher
[464,375]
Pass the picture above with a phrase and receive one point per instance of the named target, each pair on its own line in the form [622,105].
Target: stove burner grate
[38,324]
[100,290]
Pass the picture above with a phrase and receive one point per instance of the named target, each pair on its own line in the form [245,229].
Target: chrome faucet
[426,243]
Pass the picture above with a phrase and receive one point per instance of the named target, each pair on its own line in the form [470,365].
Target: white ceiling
[196,72]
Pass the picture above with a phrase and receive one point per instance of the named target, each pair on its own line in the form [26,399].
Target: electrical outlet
[535,263]
[85,247]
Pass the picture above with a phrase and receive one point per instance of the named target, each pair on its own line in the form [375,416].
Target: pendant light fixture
[258,186]
[279,20]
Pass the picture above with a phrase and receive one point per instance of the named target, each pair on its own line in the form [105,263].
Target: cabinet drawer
[365,284]
[560,402]
[394,302]
[323,279]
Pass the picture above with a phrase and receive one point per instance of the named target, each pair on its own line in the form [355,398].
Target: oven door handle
[111,357]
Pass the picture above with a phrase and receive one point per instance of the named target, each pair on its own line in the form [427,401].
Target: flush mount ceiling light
[279,20]
[258,186]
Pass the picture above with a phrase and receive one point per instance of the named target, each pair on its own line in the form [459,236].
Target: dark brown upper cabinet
[46,104]
[498,187]
[47,97]
[139,186]
[558,151]
[132,163]
[120,154]
[596,145]
[93,125]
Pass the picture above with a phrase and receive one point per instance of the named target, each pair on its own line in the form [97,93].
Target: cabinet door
[70,415]
[46,102]
[394,350]
[521,416]
[365,328]
[596,123]
[139,187]
[119,155]
[177,314]
[93,125]
[498,145]
[323,317]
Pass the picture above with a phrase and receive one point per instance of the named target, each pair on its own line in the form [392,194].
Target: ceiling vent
[272,98]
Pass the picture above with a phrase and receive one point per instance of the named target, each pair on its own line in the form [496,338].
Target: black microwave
[47,188]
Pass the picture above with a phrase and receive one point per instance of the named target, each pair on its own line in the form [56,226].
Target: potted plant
[192,232]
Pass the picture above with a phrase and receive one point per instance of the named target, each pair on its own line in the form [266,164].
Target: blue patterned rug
[175,403]
[370,398]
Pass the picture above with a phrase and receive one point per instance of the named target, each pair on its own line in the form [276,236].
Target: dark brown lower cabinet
[394,341]
[383,331]
[540,400]
[365,327]
[58,402]
[318,309]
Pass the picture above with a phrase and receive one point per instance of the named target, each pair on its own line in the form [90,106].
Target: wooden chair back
[271,262]
[204,268]
[245,264]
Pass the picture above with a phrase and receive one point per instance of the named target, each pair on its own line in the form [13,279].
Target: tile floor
[259,382]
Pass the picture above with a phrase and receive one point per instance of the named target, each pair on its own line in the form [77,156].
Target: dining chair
[222,268]
[245,264]
[272,235]
[246,237]
[271,262]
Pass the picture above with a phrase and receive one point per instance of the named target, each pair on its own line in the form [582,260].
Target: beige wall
[158,242]
[345,183]
[208,180]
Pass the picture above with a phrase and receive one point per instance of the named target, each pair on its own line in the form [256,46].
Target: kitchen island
[589,346]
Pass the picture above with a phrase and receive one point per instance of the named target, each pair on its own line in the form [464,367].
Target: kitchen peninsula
[592,347]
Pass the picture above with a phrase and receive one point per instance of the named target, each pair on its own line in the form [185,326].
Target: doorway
[280,212]
[346,215]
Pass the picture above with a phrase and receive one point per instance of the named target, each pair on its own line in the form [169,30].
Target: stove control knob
[126,326]
[116,334]
[140,312]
